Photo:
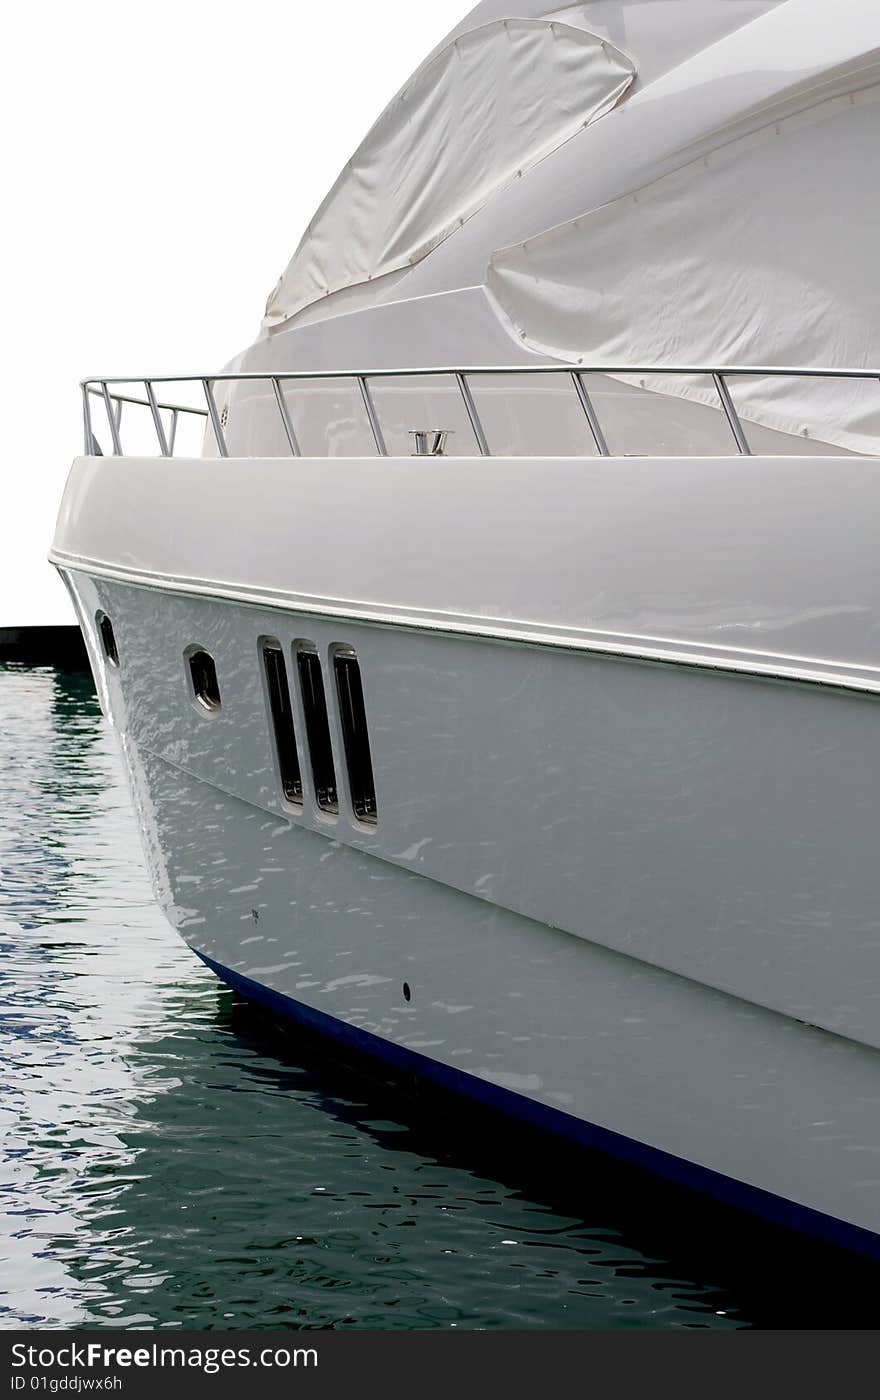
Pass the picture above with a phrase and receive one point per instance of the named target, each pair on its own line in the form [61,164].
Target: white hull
[633,897]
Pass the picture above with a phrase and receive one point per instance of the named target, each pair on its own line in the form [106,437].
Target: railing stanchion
[215,418]
[285,418]
[590,414]
[88,435]
[375,425]
[173,434]
[467,399]
[732,416]
[157,418]
[111,419]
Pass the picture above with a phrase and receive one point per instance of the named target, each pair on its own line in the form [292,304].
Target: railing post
[375,425]
[173,434]
[157,418]
[111,419]
[732,416]
[590,414]
[467,399]
[88,435]
[285,418]
[215,418]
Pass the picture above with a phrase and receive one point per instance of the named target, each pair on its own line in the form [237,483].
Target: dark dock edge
[44,646]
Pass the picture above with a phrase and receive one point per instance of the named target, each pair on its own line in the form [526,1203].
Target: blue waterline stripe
[765,1204]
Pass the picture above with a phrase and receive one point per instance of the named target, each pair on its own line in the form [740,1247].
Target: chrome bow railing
[106,391]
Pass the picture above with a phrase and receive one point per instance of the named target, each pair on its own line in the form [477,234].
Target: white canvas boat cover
[478,114]
[727,212]
[762,250]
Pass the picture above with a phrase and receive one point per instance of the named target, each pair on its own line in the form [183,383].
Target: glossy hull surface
[631,898]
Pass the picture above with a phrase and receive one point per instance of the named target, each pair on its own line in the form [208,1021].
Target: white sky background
[161,161]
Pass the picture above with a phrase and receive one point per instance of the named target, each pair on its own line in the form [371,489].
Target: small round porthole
[203,679]
[108,638]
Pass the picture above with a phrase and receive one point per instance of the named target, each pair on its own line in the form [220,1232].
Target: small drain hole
[407,992]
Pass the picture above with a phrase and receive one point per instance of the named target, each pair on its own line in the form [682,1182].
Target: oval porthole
[108,638]
[203,678]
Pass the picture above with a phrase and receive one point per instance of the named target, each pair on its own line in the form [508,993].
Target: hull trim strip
[702,656]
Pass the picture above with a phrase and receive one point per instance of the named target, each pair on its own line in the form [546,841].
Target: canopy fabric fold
[479,114]
[761,252]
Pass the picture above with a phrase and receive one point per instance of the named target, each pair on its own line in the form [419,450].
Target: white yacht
[494,646]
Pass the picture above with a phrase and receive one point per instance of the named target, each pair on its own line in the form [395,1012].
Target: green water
[167,1159]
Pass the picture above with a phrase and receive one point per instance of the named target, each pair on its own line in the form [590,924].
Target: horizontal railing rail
[113,401]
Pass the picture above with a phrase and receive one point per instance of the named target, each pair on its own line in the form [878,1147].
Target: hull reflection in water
[168,1161]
